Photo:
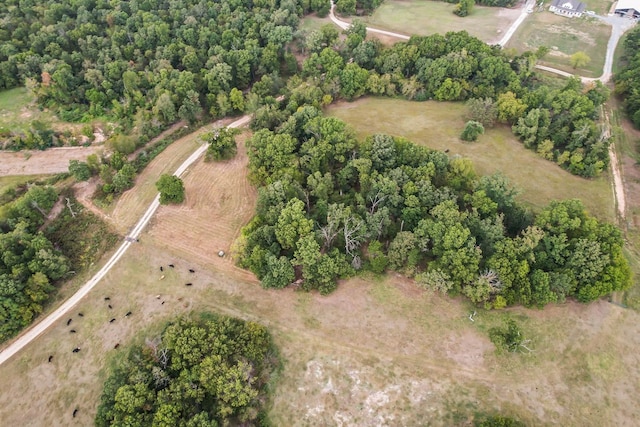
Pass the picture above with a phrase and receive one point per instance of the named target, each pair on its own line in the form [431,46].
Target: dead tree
[73,214]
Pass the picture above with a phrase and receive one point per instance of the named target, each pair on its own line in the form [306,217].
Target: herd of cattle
[113,319]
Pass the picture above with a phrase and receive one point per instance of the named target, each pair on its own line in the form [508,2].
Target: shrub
[472,130]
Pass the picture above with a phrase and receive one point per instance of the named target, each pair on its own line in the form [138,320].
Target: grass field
[7,182]
[429,17]
[564,37]
[18,110]
[438,126]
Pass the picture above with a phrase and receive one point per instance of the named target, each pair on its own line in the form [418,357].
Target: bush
[472,130]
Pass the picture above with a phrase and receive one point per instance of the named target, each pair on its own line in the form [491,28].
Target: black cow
[171,265]
[128,314]
[73,331]
[80,314]
[161,268]
[107,298]
[75,412]
[188,284]
[112,320]
[75,350]
[115,347]
[69,322]
[109,306]
[191,270]
[50,358]
[162,303]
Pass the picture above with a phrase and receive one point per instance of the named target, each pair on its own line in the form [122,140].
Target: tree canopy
[171,189]
[329,205]
[208,371]
[628,78]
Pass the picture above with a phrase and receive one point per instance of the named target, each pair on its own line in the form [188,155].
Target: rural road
[61,311]
[344,25]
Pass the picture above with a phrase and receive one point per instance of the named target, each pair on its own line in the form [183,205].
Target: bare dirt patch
[51,161]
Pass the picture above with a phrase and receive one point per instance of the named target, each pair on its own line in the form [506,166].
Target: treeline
[329,206]
[29,263]
[212,371]
[628,79]
[560,124]
[144,61]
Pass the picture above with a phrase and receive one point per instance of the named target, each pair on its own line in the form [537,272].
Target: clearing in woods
[429,17]
[438,126]
[375,352]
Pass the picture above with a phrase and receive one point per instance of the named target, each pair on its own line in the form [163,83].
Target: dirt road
[48,162]
[61,311]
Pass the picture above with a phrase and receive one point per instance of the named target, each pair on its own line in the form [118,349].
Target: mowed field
[438,126]
[126,211]
[564,37]
[219,201]
[418,17]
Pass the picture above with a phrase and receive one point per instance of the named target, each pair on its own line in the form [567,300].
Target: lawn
[428,17]
[8,182]
[18,110]
[564,37]
[312,22]
[438,125]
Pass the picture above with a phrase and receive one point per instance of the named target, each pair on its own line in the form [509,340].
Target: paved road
[130,239]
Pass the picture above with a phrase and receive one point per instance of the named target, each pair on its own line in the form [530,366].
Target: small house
[569,8]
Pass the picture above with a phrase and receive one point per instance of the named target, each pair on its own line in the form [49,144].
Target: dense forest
[329,205]
[628,79]
[143,61]
[29,263]
[212,371]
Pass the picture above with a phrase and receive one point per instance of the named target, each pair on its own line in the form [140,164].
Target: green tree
[222,144]
[579,59]
[171,189]
[464,8]
[472,130]
[79,170]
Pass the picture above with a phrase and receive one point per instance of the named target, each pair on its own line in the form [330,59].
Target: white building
[569,8]
[630,8]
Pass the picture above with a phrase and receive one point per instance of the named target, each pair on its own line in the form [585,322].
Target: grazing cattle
[191,270]
[112,320]
[171,265]
[162,303]
[162,277]
[50,358]
[73,331]
[80,314]
[75,412]
[69,322]
[188,284]
[75,350]
[446,151]
[115,347]
[109,306]
[161,268]
[128,314]
[107,298]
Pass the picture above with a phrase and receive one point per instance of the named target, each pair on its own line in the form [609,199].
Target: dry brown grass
[35,162]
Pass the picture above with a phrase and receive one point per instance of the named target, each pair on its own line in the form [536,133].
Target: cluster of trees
[329,206]
[206,372]
[352,7]
[558,123]
[29,263]
[116,173]
[146,61]
[628,79]
[464,8]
